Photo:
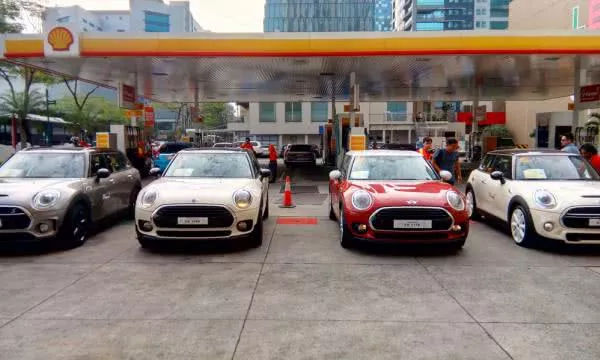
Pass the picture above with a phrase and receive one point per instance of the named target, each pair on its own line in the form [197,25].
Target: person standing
[425,151]
[590,153]
[447,159]
[273,162]
[567,144]
[247,145]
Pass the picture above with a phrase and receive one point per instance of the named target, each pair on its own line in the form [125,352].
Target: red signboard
[490,118]
[127,96]
[149,117]
[589,93]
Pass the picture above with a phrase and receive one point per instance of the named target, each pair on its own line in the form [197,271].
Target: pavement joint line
[237,343]
[589,268]
[92,270]
[465,310]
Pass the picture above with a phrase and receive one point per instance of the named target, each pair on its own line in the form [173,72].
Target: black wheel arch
[514,202]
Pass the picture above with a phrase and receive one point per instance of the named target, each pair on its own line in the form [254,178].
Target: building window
[498,25]
[63,19]
[293,112]
[266,112]
[429,26]
[319,111]
[156,22]
[396,110]
[575,17]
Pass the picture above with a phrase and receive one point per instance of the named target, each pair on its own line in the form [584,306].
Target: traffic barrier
[287,194]
[521,146]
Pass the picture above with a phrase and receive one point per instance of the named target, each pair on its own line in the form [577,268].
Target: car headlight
[361,200]
[46,199]
[242,199]
[455,200]
[544,199]
[147,198]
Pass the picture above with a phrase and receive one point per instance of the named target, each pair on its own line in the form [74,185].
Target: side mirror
[265,173]
[155,171]
[445,175]
[335,175]
[102,173]
[498,175]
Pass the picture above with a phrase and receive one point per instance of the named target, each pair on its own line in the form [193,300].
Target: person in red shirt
[426,149]
[273,162]
[590,153]
[247,145]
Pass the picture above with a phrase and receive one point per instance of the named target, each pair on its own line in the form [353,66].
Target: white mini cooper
[539,194]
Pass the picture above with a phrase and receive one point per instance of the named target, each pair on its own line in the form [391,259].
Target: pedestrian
[590,153]
[447,159]
[567,144]
[247,145]
[273,162]
[425,151]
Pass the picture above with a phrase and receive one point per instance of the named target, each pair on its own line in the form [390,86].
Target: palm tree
[22,104]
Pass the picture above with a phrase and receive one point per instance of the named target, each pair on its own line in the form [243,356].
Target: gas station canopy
[408,66]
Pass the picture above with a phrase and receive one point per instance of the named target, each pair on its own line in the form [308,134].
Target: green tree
[13,12]
[21,104]
[216,115]
[96,113]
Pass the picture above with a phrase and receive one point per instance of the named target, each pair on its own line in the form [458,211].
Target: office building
[142,16]
[444,15]
[540,123]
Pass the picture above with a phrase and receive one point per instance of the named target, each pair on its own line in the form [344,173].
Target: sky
[213,15]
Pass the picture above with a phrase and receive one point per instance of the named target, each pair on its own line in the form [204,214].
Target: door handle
[130,176]
[105,196]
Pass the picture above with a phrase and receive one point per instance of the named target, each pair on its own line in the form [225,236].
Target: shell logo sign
[61,39]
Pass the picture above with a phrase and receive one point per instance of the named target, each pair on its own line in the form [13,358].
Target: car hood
[203,191]
[565,190]
[18,190]
[397,193]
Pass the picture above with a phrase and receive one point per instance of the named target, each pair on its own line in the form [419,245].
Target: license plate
[192,221]
[412,224]
[594,222]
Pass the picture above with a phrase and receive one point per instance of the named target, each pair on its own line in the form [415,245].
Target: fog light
[44,227]
[548,226]
[362,228]
[456,228]
[147,226]
[242,226]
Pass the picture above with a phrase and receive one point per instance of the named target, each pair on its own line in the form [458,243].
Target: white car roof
[383,153]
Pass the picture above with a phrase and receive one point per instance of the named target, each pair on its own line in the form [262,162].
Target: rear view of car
[166,152]
[300,154]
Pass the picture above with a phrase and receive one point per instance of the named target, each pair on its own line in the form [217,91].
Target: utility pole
[48,125]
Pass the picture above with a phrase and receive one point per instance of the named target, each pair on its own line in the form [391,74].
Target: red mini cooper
[395,196]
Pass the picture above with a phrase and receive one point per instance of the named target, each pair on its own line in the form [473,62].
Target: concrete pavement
[300,296]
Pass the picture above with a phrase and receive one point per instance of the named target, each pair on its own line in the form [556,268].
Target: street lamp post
[48,126]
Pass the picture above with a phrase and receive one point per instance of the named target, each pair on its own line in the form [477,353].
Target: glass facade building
[327,15]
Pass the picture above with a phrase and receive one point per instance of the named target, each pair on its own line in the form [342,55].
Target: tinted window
[44,165]
[173,148]
[503,163]
[99,161]
[486,163]
[210,165]
[301,148]
[386,167]
[118,161]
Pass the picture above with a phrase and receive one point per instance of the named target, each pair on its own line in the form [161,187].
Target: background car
[395,197]
[539,194]
[256,145]
[56,194]
[205,194]
[222,145]
[167,151]
[300,154]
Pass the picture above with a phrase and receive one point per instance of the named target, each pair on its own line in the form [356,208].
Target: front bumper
[250,216]
[42,226]
[560,232]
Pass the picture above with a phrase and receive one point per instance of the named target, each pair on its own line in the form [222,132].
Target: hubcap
[341,226]
[518,226]
[79,231]
[470,206]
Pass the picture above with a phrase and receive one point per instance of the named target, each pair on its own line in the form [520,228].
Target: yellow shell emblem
[60,39]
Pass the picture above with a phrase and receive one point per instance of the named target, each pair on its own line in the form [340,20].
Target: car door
[124,179]
[335,187]
[100,190]
[480,180]
[500,193]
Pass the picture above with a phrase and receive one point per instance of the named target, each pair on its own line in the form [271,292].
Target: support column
[305,139]
[409,136]
[383,136]
[576,95]
[474,126]
[280,141]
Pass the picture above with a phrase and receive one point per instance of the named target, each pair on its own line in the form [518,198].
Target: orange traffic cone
[287,194]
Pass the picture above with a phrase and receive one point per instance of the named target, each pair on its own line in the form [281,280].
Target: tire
[256,236]
[521,227]
[132,200]
[332,216]
[475,215]
[75,228]
[346,239]
[458,245]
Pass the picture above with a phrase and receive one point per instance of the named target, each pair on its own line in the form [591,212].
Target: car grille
[579,218]
[13,218]
[218,216]
[384,218]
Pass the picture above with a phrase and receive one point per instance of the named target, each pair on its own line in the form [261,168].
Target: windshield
[173,148]
[391,168]
[553,167]
[301,148]
[44,165]
[210,165]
